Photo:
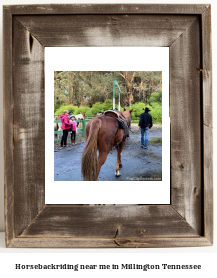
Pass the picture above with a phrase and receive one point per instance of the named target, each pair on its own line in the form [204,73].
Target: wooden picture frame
[186,30]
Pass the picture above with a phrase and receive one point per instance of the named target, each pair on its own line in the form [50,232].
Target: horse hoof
[117,174]
[120,165]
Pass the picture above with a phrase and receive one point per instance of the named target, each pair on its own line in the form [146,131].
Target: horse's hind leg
[101,159]
[104,149]
[117,173]
[119,163]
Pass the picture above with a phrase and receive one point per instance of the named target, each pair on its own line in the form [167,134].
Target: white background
[102,59]
[201,255]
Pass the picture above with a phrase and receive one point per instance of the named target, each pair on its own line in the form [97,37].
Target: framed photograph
[31,32]
[147,170]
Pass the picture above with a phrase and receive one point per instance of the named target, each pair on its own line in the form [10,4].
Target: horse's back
[109,130]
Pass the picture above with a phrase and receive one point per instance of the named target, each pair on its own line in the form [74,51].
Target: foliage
[97,107]
[71,108]
[155,97]
[57,105]
[90,112]
[85,88]
[107,105]
[82,110]
[138,109]
[91,92]
[156,112]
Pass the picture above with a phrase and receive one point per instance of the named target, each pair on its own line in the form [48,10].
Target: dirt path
[138,163]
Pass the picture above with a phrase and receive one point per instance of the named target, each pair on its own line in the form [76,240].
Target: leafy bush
[82,110]
[138,109]
[71,108]
[89,112]
[108,105]
[155,107]
[156,112]
[97,107]
[155,97]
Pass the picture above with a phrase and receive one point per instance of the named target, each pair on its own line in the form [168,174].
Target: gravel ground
[138,163]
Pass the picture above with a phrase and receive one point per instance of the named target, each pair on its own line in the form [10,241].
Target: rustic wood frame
[188,220]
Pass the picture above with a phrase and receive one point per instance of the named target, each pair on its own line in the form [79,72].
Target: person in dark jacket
[145,123]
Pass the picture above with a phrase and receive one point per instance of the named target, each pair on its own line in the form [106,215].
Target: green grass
[155,141]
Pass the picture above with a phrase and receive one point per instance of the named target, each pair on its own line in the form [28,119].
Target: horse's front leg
[59,129]
[120,163]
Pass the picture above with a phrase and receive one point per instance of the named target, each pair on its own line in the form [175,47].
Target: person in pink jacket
[73,132]
[65,127]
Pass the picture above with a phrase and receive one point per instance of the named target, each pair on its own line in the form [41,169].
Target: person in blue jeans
[145,123]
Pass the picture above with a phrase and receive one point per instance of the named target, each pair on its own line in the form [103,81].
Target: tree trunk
[130,95]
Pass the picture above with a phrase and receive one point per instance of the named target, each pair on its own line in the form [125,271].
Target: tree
[85,88]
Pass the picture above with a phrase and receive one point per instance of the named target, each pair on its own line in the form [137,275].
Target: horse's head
[128,116]
[80,117]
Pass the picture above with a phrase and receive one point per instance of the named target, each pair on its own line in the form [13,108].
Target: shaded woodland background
[92,91]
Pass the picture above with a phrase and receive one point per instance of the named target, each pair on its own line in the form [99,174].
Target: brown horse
[102,132]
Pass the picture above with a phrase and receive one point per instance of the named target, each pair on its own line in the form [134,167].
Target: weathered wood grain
[107,30]
[69,242]
[28,126]
[106,9]
[186,126]
[207,118]
[207,66]
[8,126]
[186,30]
[109,222]
[208,182]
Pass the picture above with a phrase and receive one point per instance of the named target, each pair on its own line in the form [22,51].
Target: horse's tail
[89,161]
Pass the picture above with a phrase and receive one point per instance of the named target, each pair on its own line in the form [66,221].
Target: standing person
[65,127]
[73,132]
[145,123]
